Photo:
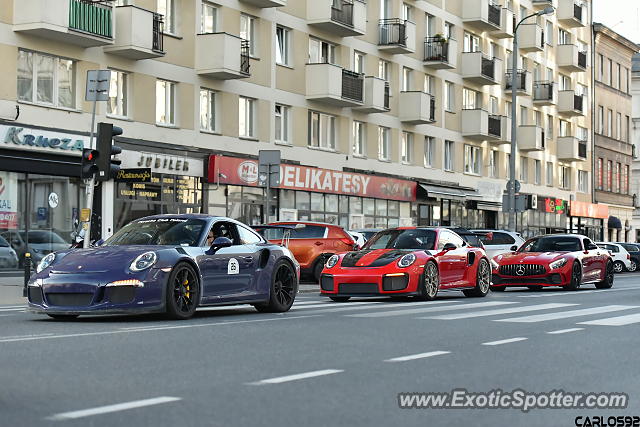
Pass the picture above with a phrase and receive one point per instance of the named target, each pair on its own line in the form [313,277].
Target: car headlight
[494,264]
[45,262]
[557,263]
[406,260]
[143,261]
[332,261]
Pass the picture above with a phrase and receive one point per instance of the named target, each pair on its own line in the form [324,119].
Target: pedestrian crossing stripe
[431,309]
[567,314]
[509,310]
[615,321]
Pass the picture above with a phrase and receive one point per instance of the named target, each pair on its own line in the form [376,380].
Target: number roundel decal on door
[233,267]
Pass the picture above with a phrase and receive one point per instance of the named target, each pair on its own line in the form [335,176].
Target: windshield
[42,237]
[403,239]
[159,231]
[552,244]
[472,240]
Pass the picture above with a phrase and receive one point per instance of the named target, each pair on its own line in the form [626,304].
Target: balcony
[222,56]
[544,93]
[397,36]
[482,15]
[524,84]
[571,149]
[376,95]
[343,18]
[333,85]
[480,69]
[530,138]
[569,58]
[139,33]
[570,103]
[531,38]
[541,4]
[440,53]
[506,24]
[266,3]
[416,107]
[69,21]
[571,13]
[479,125]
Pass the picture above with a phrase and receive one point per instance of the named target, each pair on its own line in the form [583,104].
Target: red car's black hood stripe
[351,259]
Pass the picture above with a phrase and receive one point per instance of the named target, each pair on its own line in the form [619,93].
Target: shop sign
[589,210]
[162,163]
[8,200]
[134,175]
[16,137]
[238,171]
[553,205]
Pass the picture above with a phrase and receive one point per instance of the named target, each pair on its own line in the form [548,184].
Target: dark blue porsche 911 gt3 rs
[167,263]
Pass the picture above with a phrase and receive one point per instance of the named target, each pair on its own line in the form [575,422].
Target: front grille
[358,288]
[122,294]
[69,300]
[326,283]
[35,295]
[521,270]
[395,283]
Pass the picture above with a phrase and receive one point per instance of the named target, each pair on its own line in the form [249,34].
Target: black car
[634,251]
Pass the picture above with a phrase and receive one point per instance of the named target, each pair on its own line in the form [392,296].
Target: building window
[565,128]
[618,77]
[524,169]
[448,30]
[407,79]
[609,175]
[246,117]
[407,148]
[549,132]
[383,69]
[601,67]
[429,149]
[600,175]
[283,41]
[563,37]
[548,34]
[537,168]
[550,174]
[582,133]
[471,42]
[493,163]
[321,52]
[565,177]
[429,84]
[118,94]
[610,123]
[359,138]
[207,110]
[165,102]
[322,132]
[449,96]
[45,79]
[625,179]
[358,62]
[384,143]
[449,148]
[167,8]
[469,99]
[619,126]
[626,128]
[618,178]
[583,181]
[524,116]
[282,113]
[209,18]
[601,119]
[248,32]
[472,159]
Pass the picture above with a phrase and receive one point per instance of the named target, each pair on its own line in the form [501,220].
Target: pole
[514,129]
[90,189]
[268,201]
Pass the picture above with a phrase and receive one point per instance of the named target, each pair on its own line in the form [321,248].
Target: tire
[483,280]
[535,288]
[633,266]
[429,282]
[183,292]
[317,268]
[63,316]
[283,290]
[607,283]
[498,288]
[618,267]
[340,299]
[576,277]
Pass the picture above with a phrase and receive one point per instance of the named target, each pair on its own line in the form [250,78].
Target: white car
[358,237]
[620,256]
[498,242]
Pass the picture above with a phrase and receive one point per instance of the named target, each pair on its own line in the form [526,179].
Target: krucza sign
[18,136]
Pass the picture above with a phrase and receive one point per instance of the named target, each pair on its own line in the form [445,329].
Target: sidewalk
[11,291]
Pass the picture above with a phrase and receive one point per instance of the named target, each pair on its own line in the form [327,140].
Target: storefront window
[381,207]
[355,205]
[393,208]
[331,203]
[369,206]
[303,200]
[344,204]
[317,202]
[287,199]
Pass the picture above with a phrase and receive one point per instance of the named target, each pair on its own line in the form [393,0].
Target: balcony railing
[95,19]
[158,33]
[582,149]
[578,101]
[244,57]
[543,91]
[393,32]
[495,126]
[343,12]
[386,95]
[488,68]
[577,12]
[521,80]
[582,59]
[352,85]
[494,14]
[436,49]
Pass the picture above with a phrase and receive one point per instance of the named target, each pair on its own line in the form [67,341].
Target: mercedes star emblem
[520,270]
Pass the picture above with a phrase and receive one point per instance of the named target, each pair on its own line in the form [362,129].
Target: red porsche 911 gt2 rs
[565,260]
[408,261]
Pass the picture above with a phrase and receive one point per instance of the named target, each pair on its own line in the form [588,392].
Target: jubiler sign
[233,170]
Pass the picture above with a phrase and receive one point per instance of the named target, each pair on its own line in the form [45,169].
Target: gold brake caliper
[187,287]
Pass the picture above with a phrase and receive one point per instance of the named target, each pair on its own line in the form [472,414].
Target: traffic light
[107,167]
[89,166]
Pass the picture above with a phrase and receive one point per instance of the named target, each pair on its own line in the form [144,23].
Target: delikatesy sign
[239,171]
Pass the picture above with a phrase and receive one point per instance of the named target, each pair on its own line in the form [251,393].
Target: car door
[590,258]
[458,257]
[447,260]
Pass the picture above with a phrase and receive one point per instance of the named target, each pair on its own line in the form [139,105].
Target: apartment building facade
[386,112]
[635,138]
[614,150]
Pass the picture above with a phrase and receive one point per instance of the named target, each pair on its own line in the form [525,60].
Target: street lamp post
[511,188]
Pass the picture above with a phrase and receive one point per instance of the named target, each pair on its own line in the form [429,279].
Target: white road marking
[565,331]
[388,305]
[430,309]
[342,304]
[567,314]
[614,321]
[12,309]
[22,336]
[576,293]
[507,341]
[2,307]
[482,313]
[296,377]
[112,408]
[417,356]
[145,329]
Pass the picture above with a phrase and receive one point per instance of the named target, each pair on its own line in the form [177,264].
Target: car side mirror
[221,242]
[449,247]
[513,248]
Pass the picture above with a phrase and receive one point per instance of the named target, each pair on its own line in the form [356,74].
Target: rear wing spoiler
[286,230]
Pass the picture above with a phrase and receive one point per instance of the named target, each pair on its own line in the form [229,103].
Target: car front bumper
[373,283]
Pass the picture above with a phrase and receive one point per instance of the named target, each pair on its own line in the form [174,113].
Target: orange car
[312,243]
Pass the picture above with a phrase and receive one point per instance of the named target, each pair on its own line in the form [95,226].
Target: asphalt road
[323,363]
